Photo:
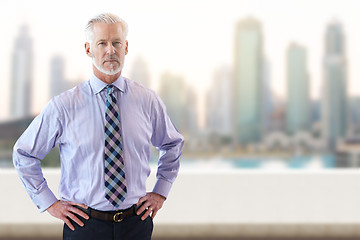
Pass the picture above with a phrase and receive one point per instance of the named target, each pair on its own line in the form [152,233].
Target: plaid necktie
[115,186]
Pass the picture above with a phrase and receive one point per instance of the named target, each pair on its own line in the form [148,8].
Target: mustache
[111,57]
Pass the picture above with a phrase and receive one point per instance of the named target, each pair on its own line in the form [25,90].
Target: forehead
[108,31]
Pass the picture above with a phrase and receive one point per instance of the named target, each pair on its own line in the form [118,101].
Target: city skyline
[192,47]
[241,110]
[140,71]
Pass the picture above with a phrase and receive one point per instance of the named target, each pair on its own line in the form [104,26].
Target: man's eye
[117,43]
[101,43]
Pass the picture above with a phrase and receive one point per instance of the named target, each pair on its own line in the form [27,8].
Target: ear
[87,49]
[126,47]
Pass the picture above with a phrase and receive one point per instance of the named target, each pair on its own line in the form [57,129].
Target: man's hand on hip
[65,210]
[151,202]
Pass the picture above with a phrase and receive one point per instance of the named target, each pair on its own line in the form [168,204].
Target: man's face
[108,48]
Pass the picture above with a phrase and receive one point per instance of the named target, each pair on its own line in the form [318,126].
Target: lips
[111,60]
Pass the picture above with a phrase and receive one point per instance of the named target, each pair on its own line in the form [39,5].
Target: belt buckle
[117,217]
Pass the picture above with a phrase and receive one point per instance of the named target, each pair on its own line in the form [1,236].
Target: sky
[190,38]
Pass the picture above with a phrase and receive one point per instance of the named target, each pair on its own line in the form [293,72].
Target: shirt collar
[97,85]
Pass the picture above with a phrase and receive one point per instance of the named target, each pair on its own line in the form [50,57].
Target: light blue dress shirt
[75,120]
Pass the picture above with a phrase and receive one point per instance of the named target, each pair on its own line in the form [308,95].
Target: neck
[108,79]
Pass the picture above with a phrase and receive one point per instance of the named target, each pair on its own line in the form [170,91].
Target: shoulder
[134,86]
[144,97]
[139,91]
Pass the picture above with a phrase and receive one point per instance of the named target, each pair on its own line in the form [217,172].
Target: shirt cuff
[44,199]
[162,187]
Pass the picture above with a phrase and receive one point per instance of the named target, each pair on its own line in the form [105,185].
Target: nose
[110,49]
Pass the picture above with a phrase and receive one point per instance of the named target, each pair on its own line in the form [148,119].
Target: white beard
[111,72]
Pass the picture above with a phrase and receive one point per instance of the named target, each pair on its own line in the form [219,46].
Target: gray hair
[108,18]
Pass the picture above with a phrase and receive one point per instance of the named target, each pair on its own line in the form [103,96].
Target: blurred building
[190,130]
[334,109]
[348,153]
[277,117]
[315,119]
[173,93]
[301,142]
[268,99]
[140,72]
[354,115]
[315,111]
[191,112]
[219,103]
[22,75]
[248,67]
[58,83]
[298,100]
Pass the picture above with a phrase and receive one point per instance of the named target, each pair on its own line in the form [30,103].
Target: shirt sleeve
[167,139]
[32,146]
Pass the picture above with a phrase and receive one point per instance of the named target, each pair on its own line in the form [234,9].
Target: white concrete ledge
[204,230]
[220,203]
[257,230]
[31,230]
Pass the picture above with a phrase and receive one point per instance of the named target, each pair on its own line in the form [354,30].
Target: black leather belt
[112,216]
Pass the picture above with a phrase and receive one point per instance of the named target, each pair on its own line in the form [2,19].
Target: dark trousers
[131,228]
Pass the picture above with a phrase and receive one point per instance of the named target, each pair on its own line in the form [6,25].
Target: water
[296,162]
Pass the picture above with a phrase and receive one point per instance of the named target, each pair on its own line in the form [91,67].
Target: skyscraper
[248,81]
[22,75]
[298,103]
[173,93]
[334,110]
[140,72]
[219,103]
[57,78]
[191,112]
[268,99]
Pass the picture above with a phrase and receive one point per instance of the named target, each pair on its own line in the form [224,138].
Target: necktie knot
[110,95]
[110,89]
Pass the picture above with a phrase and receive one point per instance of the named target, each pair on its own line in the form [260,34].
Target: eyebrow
[104,40]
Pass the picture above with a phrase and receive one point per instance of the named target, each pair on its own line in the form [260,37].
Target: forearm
[168,167]
[30,173]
